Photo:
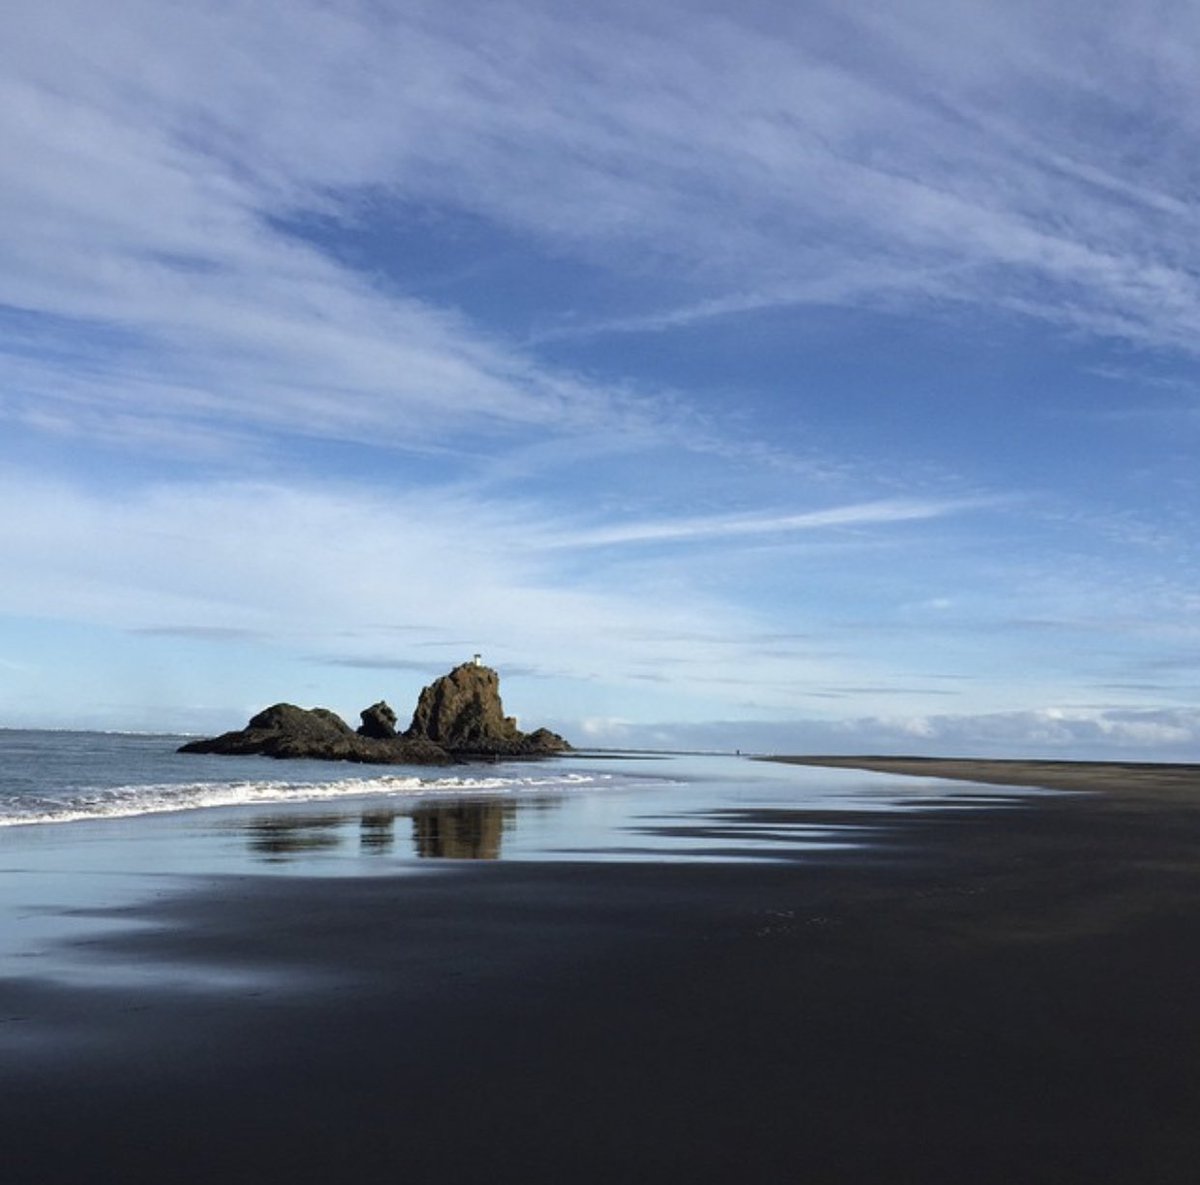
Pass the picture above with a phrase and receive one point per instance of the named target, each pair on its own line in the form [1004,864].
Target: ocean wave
[161,798]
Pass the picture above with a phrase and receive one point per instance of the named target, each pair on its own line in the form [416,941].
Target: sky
[813,377]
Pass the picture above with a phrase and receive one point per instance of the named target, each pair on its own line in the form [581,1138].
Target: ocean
[593,805]
[51,777]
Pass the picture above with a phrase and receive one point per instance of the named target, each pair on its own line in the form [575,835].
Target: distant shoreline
[1133,778]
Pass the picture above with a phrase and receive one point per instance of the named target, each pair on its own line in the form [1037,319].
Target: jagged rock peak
[462,710]
[463,713]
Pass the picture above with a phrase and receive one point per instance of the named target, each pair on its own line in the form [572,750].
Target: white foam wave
[130,801]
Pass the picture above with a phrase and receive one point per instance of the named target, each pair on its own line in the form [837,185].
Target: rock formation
[462,713]
[458,717]
[285,730]
[378,722]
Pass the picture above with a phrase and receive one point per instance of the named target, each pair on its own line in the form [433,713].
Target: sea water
[581,805]
[64,777]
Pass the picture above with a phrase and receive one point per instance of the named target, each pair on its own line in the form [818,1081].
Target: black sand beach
[1000,997]
[1129,780]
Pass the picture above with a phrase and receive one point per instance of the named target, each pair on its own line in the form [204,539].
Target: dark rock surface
[458,716]
[542,740]
[285,730]
[378,722]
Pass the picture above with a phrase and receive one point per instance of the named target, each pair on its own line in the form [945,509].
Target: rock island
[458,717]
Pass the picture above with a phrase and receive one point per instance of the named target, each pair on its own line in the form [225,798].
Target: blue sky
[796,377]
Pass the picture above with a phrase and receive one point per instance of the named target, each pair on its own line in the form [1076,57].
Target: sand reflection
[462,830]
[377,832]
[280,837]
[449,831]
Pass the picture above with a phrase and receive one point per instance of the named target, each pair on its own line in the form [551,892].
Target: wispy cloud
[165,166]
[143,229]
[330,577]
[740,526]
[363,663]
[202,633]
[328,569]
[330,574]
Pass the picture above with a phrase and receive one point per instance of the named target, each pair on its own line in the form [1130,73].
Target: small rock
[378,722]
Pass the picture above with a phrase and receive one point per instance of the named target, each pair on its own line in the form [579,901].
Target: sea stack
[458,717]
[462,712]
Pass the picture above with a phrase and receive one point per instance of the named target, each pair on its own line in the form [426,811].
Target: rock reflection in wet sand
[462,830]
[377,831]
[278,838]
[453,831]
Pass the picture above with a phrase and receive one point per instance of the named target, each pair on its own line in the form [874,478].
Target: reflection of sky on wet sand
[451,831]
[63,885]
[277,838]
[477,830]
[691,809]
[377,832]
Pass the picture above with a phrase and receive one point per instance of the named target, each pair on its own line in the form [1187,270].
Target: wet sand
[1129,779]
[984,996]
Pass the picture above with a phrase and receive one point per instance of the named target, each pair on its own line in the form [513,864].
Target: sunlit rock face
[458,716]
[462,712]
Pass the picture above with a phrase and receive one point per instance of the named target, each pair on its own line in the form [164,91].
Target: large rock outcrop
[458,717]
[462,712]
